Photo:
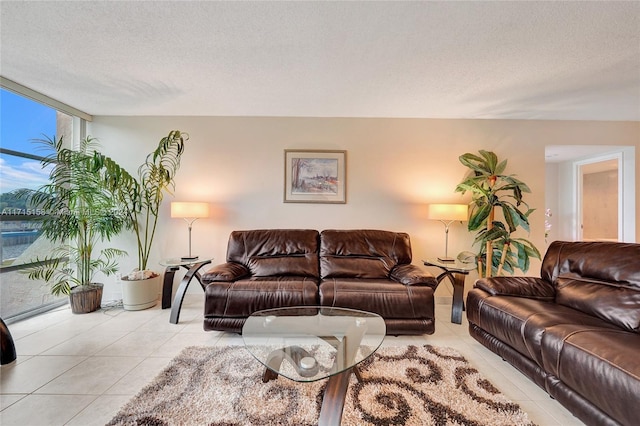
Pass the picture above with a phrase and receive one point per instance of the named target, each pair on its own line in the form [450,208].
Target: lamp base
[186,258]
[446,259]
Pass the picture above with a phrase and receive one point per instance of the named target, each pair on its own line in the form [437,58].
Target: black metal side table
[456,272]
[192,267]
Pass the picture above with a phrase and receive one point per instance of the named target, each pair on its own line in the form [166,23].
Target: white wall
[395,168]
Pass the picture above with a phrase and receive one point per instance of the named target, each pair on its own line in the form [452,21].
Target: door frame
[626,192]
[579,175]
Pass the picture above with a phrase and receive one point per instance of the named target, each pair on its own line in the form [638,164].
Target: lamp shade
[449,212]
[189,209]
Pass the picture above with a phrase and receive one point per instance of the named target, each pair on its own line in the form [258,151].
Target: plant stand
[140,294]
[86,298]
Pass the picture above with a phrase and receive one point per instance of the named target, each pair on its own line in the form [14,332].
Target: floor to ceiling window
[23,121]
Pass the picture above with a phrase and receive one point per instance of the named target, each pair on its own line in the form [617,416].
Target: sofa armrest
[409,274]
[529,287]
[226,272]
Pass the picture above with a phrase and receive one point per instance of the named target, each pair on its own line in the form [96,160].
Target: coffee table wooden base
[334,397]
[293,354]
[335,392]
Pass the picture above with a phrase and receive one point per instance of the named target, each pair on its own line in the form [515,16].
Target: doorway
[599,201]
[608,172]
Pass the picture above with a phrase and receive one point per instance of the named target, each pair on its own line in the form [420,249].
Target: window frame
[79,123]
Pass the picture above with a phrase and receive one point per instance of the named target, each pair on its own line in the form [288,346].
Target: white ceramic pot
[140,294]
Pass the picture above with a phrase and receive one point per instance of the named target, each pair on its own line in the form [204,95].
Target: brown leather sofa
[369,270]
[575,331]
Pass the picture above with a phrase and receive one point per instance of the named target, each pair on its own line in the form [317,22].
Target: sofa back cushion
[276,252]
[362,253]
[598,278]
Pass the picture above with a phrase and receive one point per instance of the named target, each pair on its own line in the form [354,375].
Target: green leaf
[519,184]
[469,160]
[528,247]
[491,161]
[479,216]
[475,163]
[495,233]
[500,167]
[511,216]
[469,185]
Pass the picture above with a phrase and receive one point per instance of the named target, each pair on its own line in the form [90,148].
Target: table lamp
[189,211]
[448,213]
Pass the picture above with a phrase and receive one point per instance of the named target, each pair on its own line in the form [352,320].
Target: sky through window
[21,121]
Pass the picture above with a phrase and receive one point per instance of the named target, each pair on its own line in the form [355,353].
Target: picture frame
[315,176]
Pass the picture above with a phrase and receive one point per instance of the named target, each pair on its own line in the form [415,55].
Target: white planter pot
[140,294]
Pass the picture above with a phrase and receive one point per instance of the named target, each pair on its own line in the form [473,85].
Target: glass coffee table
[306,344]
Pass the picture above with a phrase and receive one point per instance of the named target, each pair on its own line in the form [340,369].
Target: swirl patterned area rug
[222,386]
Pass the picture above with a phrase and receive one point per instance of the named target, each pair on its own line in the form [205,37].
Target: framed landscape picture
[315,176]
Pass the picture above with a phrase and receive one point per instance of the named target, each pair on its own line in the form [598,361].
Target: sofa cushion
[367,254]
[600,364]
[386,298]
[503,316]
[276,252]
[229,271]
[618,304]
[535,328]
[520,322]
[530,287]
[293,265]
[599,278]
[244,297]
[598,260]
[354,267]
[409,274]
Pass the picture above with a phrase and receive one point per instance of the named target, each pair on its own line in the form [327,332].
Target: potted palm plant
[79,213]
[140,199]
[494,192]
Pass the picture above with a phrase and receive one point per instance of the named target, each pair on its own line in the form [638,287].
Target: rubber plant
[141,197]
[496,196]
[78,213]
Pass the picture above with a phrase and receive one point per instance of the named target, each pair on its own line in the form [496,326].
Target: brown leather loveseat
[369,270]
[575,331]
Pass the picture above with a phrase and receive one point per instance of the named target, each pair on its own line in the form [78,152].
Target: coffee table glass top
[177,261]
[312,343]
[455,266]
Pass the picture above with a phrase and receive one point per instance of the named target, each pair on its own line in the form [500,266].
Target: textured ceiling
[515,60]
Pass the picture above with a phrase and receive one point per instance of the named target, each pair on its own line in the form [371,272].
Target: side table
[192,267]
[456,272]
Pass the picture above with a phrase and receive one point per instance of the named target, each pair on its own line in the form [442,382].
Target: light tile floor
[79,369]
